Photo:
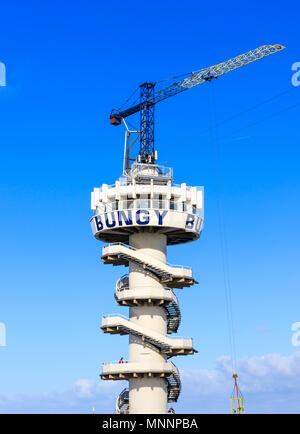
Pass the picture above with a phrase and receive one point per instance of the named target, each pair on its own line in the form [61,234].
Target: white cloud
[270,383]
[80,397]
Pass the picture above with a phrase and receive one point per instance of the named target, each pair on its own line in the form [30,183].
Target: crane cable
[128,99]
[222,227]
[237,399]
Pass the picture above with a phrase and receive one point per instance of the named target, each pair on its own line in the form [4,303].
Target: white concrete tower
[139,216]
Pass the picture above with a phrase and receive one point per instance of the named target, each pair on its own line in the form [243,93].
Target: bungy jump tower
[138,217]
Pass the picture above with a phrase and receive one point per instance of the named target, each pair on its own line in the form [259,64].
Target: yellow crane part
[237,402]
[215,71]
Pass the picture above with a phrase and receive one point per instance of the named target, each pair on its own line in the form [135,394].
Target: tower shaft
[147,394]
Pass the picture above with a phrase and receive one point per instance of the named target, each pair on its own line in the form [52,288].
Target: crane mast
[147,122]
[149,96]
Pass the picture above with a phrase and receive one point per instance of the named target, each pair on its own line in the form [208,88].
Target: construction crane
[149,96]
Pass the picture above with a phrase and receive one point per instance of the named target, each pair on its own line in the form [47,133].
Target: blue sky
[67,66]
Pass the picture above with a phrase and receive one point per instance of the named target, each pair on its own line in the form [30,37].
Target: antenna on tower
[127,147]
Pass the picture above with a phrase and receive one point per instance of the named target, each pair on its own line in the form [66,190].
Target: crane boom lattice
[149,97]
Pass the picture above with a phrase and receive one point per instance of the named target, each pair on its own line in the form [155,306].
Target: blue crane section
[149,96]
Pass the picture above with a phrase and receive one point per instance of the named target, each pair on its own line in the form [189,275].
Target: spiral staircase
[169,276]
[173,388]
[174,276]
[167,299]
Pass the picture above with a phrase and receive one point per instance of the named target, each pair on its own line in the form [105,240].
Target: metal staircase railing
[155,342]
[173,388]
[122,283]
[122,404]
[172,310]
[186,267]
[131,328]
[154,269]
[173,317]
[173,385]
[129,253]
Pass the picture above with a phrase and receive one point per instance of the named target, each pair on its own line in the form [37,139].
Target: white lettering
[171,423]
[296,336]
[2,75]
[119,424]
[2,335]
[296,76]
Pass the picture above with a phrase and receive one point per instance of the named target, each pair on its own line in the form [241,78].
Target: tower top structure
[147,198]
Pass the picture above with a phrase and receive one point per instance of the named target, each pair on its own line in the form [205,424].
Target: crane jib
[149,97]
[202,76]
